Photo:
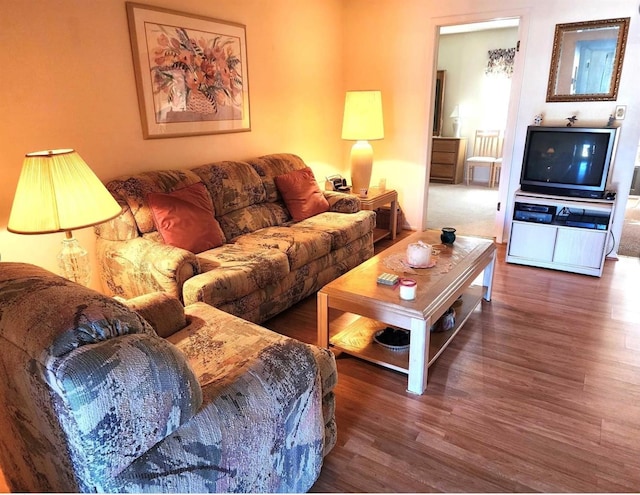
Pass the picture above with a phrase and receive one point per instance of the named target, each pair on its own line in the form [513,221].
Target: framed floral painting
[191,73]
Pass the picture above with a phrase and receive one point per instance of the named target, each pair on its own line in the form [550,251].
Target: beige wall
[68,82]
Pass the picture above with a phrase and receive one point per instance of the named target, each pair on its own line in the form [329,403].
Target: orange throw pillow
[185,218]
[301,194]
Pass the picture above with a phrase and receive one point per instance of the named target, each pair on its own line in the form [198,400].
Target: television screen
[571,161]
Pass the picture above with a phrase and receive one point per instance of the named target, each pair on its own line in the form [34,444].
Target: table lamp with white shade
[362,123]
[58,192]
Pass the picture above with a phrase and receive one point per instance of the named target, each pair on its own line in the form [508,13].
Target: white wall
[483,100]
[536,61]
[391,45]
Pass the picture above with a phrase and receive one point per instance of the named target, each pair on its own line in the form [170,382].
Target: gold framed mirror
[587,60]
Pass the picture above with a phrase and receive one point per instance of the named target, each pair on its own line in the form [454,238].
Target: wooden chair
[495,175]
[486,153]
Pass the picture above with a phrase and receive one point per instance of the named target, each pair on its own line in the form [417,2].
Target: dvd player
[535,208]
[587,221]
[527,212]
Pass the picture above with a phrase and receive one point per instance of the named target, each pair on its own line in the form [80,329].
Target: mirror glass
[587,60]
[439,103]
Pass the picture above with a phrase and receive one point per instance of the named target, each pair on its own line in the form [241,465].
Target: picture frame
[191,72]
[586,62]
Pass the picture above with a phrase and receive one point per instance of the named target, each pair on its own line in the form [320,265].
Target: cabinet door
[580,247]
[532,241]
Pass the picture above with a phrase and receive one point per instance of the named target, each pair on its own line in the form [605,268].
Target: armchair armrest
[140,266]
[161,310]
[342,202]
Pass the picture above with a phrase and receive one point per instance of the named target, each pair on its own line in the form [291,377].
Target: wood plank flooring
[540,391]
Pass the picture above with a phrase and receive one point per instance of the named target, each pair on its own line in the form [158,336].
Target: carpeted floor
[471,210]
[630,238]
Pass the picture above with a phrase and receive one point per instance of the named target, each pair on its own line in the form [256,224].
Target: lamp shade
[363,116]
[57,191]
[456,112]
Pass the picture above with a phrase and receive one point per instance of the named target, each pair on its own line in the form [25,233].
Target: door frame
[506,188]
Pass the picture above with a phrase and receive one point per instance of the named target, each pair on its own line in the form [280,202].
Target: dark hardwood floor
[540,391]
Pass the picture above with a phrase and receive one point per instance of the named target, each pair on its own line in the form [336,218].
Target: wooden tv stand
[576,239]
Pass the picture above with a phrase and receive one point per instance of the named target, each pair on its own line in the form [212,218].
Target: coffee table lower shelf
[357,338]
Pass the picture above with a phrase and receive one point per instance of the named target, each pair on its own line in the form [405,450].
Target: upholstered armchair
[95,400]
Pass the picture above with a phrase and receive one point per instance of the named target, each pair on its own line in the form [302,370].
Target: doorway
[630,236]
[475,98]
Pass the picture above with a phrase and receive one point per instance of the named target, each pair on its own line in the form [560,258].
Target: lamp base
[361,166]
[456,124]
[73,262]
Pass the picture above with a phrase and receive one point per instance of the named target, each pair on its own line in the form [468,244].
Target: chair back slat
[487,144]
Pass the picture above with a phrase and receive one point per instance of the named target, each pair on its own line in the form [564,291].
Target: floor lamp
[362,123]
[58,192]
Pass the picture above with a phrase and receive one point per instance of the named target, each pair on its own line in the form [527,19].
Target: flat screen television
[568,161]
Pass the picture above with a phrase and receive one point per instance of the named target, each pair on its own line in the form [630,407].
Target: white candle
[408,289]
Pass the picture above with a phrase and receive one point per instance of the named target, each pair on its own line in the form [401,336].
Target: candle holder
[448,235]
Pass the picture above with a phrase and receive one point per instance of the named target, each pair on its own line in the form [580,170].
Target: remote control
[388,279]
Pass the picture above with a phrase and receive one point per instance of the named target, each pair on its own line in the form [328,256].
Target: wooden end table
[449,283]
[380,197]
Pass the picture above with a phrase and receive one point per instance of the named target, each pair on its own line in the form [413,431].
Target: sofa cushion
[239,198]
[300,245]
[133,190]
[270,166]
[264,303]
[232,185]
[232,271]
[301,194]
[185,218]
[252,218]
[342,228]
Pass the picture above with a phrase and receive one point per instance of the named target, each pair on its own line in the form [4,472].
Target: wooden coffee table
[457,268]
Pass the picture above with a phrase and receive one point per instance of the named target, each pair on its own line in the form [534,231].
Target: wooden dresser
[447,159]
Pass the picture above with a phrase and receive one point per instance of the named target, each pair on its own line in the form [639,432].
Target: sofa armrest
[342,202]
[140,266]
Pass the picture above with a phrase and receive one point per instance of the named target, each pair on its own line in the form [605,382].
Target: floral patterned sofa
[266,248]
[152,397]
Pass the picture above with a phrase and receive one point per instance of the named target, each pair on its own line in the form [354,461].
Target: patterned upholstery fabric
[70,406]
[257,226]
[343,229]
[232,185]
[270,166]
[134,190]
[162,311]
[233,271]
[301,246]
[240,342]
[95,401]
[252,218]
[271,300]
